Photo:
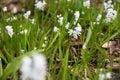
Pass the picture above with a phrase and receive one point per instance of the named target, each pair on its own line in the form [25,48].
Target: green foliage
[63,62]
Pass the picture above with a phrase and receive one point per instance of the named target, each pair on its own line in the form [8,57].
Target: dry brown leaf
[108,44]
[74,51]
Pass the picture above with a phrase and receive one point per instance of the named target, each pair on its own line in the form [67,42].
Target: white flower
[70,10]
[9,30]
[59,15]
[103,75]
[35,48]
[26,68]
[11,19]
[45,38]
[78,28]
[75,22]
[32,21]
[55,29]
[111,15]
[109,1]
[82,12]
[60,19]
[76,32]
[43,45]
[86,4]
[5,9]
[108,75]
[39,61]
[84,47]
[27,14]
[24,31]
[108,5]
[34,68]
[77,15]
[40,5]
[14,10]
[22,51]
[70,32]
[39,67]
[98,18]
[67,25]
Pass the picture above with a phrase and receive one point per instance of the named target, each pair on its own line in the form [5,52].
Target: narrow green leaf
[109,38]
[65,65]
[3,57]
[54,39]
[103,52]
[11,67]
[88,36]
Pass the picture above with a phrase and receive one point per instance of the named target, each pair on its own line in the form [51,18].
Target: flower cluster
[32,21]
[55,29]
[84,46]
[5,9]
[108,4]
[103,75]
[98,18]
[14,10]
[77,15]
[60,19]
[22,51]
[40,5]
[72,32]
[86,3]
[9,30]
[34,68]
[24,31]
[70,10]
[111,14]
[27,14]
[11,19]
[45,42]
[67,25]
[76,31]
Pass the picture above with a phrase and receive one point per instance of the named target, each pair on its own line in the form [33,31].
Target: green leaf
[11,67]
[109,38]
[65,64]
[54,39]
[88,36]
[102,51]
[3,57]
